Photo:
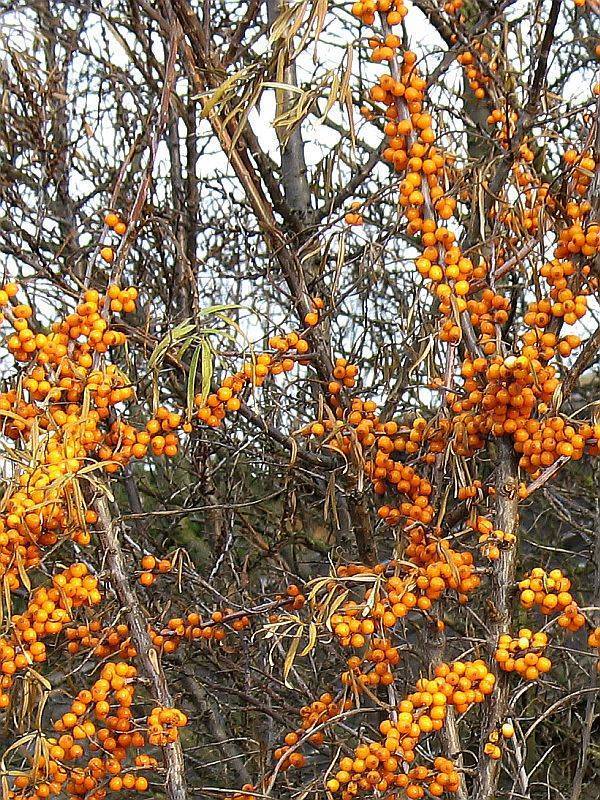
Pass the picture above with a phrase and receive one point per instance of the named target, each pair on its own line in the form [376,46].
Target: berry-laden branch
[502,579]
[146,654]
[447,486]
[65,431]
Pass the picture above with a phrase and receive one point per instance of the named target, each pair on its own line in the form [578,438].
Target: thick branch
[147,657]
[502,579]
[585,358]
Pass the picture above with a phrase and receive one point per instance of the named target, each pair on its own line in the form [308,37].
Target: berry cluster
[353,216]
[164,724]
[524,654]
[152,567]
[479,68]
[48,611]
[550,593]
[113,221]
[393,10]
[492,747]
[377,766]
[319,711]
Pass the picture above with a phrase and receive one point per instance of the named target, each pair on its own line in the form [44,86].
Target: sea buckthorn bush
[299,317]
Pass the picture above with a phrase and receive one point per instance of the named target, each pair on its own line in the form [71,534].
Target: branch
[147,657]
[205,703]
[530,107]
[583,361]
[547,474]
[502,579]
[590,715]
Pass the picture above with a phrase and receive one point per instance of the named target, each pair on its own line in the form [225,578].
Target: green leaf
[177,334]
[218,308]
[207,369]
[191,384]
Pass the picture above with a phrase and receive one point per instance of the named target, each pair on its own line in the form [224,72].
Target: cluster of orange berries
[493,541]
[550,593]
[8,291]
[524,654]
[583,165]
[48,611]
[361,416]
[116,224]
[293,599]
[471,491]
[443,263]
[227,398]
[344,372]
[491,747]
[344,376]
[578,239]
[117,640]
[46,779]
[311,318]
[60,379]
[411,138]
[117,683]
[163,725]
[415,783]
[509,391]
[362,424]
[436,568]
[391,599]
[542,442]
[436,559]
[513,389]
[319,711]
[192,627]
[113,220]
[102,641]
[377,766]
[353,216]
[562,302]
[384,471]
[152,567]
[87,322]
[486,314]
[374,668]
[122,300]
[159,435]
[101,720]
[478,67]
[28,523]
[394,10]
[502,117]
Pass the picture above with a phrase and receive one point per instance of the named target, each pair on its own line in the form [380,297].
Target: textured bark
[590,706]
[147,657]
[501,587]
